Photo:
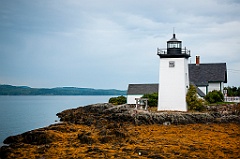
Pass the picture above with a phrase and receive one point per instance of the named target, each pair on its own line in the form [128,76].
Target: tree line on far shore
[24,90]
[232,91]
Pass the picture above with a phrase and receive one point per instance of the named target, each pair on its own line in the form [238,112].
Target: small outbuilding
[138,90]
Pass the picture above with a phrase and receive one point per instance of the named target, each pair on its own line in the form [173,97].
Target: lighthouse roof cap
[173,38]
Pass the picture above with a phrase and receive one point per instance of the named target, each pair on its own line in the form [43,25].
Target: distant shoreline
[58,91]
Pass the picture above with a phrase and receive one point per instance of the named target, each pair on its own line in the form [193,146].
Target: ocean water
[19,114]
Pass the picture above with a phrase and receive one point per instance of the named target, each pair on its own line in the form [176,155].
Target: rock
[225,109]
[94,149]
[112,135]
[35,137]
[5,151]
[92,114]
[156,157]
[140,151]
[85,138]
[230,118]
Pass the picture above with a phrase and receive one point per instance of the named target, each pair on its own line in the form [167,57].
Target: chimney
[197,60]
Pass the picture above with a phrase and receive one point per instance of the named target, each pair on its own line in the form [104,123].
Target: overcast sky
[111,43]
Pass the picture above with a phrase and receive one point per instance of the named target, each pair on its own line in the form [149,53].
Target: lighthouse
[173,76]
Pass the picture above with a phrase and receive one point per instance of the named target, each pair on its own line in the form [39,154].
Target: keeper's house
[208,76]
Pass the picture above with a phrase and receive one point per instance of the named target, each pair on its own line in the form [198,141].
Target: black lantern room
[174,49]
[174,46]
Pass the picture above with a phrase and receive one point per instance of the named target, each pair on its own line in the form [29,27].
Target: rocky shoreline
[104,130]
[127,113]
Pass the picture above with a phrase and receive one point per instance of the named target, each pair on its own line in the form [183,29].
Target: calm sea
[19,114]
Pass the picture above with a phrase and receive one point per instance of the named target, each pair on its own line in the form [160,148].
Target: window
[174,45]
[171,64]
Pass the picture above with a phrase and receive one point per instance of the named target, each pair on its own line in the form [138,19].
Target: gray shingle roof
[204,73]
[138,89]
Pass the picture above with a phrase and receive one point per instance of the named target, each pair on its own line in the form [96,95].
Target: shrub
[193,102]
[118,100]
[152,99]
[214,97]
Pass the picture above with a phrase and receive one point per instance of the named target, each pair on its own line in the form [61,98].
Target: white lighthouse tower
[173,76]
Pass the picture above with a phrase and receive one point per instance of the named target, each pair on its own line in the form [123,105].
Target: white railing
[164,51]
[232,99]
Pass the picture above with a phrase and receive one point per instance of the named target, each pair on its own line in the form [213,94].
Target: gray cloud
[108,44]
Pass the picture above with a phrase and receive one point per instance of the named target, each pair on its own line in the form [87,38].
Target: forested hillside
[24,90]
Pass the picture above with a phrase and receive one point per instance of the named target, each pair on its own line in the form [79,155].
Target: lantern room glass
[174,45]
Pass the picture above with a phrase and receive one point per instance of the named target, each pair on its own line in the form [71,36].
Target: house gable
[204,73]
